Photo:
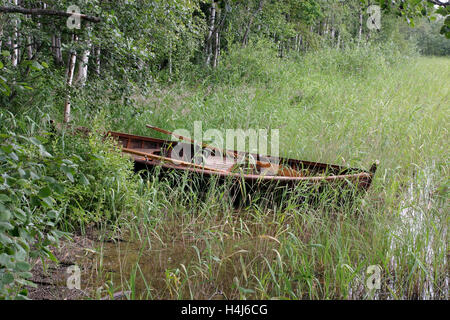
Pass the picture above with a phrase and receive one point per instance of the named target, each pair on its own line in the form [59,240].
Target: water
[419,216]
[416,253]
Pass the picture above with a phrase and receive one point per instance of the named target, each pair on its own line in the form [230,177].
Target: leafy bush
[107,182]
[31,202]
[49,183]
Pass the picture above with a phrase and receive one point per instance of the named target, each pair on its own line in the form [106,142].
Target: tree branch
[48,12]
[439,3]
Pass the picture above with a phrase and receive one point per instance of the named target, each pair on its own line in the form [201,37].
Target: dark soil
[51,277]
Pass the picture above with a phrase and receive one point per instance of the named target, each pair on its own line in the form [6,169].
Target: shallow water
[419,213]
[159,268]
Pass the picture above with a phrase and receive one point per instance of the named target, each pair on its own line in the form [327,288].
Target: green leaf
[68,171]
[14,156]
[4,239]
[36,66]
[84,180]
[442,11]
[22,266]
[5,214]
[7,278]
[20,214]
[45,192]
[48,201]
[70,176]
[4,259]
[22,173]
[7,149]
[58,188]
[44,152]
[33,175]
[5,225]
[50,255]
[53,214]
[35,141]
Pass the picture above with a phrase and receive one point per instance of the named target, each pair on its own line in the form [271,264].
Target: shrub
[49,183]
[106,183]
[31,202]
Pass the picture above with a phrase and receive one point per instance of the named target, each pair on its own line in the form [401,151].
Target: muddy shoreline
[52,278]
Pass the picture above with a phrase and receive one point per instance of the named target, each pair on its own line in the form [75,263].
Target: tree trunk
[247,31]
[360,26]
[216,43]
[38,25]
[83,65]
[1,34]
[56,49]
[170,58]
[70,71]
[212,20]
[15,40]
[97,60]
[53,48]
[29,48]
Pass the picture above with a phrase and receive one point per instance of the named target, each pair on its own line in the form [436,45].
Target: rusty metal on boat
[254,169]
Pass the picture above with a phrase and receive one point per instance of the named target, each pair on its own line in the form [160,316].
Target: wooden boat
[151,152]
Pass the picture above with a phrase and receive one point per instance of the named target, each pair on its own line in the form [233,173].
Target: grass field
[327,109]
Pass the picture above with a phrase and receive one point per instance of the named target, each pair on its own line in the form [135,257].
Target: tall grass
[345,107]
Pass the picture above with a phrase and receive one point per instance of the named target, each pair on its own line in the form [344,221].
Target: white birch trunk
[212,21]
[83,66]
[69,73]
[216,44]
[170,58]
[97,60]
[360,27]
[29,48]
[15,40]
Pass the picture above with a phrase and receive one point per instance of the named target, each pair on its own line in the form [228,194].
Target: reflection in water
[419,216]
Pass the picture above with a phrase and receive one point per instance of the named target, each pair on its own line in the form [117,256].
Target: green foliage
[51,182]
[255,63]
[412,9]
[105,188]
[19,80]
[31,202]
[427,38]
